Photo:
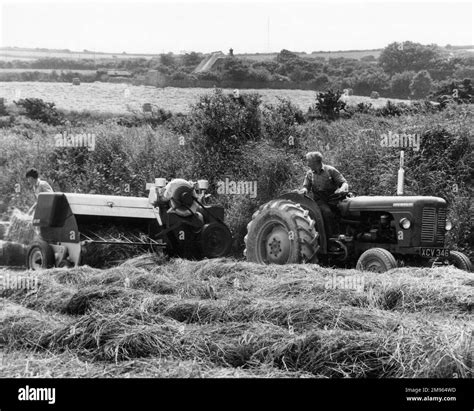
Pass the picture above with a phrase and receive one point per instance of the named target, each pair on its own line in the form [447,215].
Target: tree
[168,60]
[321,81]
[368,81]
[399,57]
[421,84]
[192,59]
[400,84]
[235,69]
[286,55]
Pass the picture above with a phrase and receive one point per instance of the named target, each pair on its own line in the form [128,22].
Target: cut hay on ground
[240,319]
[27,364]
[434,351]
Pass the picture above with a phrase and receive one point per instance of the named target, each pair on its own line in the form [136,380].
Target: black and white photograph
[253,199]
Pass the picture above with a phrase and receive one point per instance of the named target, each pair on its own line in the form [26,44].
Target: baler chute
[174,218]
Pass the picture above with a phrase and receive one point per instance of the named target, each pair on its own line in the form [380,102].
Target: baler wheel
[39,256]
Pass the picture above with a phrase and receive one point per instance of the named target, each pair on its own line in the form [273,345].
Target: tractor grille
[441,228]
[433,225]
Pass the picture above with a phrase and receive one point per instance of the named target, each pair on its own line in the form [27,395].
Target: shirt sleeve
[308,180]
[44,187]
[337,177]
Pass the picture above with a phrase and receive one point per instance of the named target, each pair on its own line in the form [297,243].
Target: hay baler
[174,219]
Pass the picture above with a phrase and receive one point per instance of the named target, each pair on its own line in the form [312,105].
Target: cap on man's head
[316,155]
[32,172]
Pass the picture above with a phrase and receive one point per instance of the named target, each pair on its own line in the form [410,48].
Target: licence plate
[434,252]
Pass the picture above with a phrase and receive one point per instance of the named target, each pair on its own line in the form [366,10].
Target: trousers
[328,218]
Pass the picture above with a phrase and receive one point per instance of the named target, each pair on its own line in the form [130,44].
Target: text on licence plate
[434,252]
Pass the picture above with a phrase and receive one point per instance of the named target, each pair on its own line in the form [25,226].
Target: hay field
[121,98]
[349,54]
[10,54]
[226,318]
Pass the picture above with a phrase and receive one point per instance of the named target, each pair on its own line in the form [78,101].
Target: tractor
[174,219]
[375,233]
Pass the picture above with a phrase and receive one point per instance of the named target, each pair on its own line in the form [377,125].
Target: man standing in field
[320,182]
[38,185]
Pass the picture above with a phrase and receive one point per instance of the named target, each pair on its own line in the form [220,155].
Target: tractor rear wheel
[460,260]
[39,256]
[377,260]
[281,232]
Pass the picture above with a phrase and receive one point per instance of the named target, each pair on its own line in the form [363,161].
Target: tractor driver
[321,181]
[38,186]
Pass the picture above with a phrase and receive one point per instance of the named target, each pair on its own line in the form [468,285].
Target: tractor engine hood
[353,206]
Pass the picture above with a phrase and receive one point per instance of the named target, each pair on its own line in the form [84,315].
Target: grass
[225,318]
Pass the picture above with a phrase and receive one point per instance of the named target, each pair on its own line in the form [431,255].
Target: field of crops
[226,318]
[9,54]
[121,98]
[349,54]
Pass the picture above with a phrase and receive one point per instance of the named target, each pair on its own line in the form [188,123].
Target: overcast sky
[246,26]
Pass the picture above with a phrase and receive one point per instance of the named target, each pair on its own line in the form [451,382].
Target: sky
[246,26]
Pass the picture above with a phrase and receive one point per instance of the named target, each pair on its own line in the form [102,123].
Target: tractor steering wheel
[335,198]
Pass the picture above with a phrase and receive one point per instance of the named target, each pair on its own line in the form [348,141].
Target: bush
[392,109]
[37,109]
[279,123]
[3,109]
[461,92]
[154,118]
[221,126]
[329,105]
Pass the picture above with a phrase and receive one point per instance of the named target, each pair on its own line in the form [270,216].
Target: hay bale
[21,228]
[12,254]
[3,229]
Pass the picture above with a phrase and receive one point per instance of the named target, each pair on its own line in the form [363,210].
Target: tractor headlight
[405,223]
[448,226]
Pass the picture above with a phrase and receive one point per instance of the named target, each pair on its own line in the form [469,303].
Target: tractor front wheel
[460,260]
[377,260]
[281,232]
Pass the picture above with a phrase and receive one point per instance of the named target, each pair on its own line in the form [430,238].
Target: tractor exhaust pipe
[401,175]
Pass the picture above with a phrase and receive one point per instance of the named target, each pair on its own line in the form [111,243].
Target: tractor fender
[314,212]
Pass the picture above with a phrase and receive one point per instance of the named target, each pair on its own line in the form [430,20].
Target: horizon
[248,28]
[131,53]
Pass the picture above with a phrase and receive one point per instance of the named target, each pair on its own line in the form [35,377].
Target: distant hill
[19,53]
[352,54]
